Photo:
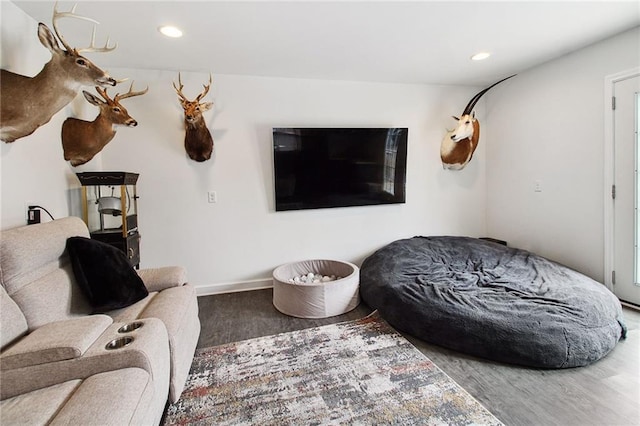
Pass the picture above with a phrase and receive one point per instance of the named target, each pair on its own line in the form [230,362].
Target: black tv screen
[339,167]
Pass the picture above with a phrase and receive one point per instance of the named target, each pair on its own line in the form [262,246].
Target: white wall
[31,169]
[241,238]
[547,125]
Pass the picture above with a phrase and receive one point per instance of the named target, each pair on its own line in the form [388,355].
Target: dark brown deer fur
[198,141]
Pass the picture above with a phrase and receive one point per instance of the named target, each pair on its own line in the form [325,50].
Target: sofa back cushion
[14,324]
[36,271]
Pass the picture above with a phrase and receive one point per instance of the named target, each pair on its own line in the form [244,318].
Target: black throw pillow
[104,274]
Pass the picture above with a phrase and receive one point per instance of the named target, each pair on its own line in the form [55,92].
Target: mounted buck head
[459,144]
[198,141]
[29,102]
[82,140]
[193,109]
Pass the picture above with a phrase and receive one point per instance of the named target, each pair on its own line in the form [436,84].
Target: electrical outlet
[537,186]
[33,216]
[212,196]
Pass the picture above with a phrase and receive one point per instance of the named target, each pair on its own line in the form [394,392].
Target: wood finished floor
[605,393]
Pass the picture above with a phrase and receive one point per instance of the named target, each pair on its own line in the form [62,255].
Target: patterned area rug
[359,372]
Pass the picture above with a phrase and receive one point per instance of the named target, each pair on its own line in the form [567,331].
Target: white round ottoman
[316,300]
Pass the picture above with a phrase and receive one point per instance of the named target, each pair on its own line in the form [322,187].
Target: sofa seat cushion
[116,397]
[56,341]
[104,274]
[119,397]
[37,407]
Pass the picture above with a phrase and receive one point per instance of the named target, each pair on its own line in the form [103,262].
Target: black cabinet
[130,244]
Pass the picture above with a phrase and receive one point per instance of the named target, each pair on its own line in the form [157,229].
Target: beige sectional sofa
[60,364]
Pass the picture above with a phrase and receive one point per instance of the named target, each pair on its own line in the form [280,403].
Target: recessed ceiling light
[480,56]
[170,31]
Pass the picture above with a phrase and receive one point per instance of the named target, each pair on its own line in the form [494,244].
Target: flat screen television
[339,167]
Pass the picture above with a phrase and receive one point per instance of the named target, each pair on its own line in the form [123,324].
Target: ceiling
[402,42]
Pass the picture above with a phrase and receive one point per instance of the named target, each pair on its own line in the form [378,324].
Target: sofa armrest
[157,279]
[148,350]
[56,341]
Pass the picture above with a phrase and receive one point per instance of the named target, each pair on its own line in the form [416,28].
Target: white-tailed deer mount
[82,140]
[459,144]
[198,141]
[29,102]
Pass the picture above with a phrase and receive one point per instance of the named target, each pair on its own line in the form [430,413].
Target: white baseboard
[259,284]
[630,305]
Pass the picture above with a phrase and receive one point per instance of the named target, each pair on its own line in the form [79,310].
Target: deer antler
[179,90]
[130,93]
[92,47]
[206,90]
[71,14]
[200,96]
[103,92]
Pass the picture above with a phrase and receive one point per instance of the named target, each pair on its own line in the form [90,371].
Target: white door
[626,253]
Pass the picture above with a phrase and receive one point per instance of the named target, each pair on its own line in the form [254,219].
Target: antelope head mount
[459,144]
[29,102]
[82,140]
[198,141]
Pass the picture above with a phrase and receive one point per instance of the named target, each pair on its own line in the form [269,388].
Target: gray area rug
[359,372]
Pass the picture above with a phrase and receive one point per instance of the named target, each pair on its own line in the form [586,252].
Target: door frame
[609,141]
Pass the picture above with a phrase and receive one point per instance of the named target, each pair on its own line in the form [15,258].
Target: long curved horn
[476,98]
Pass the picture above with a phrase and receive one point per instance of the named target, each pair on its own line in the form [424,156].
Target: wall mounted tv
[339,167]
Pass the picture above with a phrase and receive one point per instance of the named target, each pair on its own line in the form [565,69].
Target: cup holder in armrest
[130,327]
[118,343]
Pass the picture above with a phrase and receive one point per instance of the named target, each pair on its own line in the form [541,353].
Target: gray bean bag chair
[492,301]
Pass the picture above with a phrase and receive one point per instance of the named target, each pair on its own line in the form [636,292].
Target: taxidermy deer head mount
[198,141]
[82,140]
[459,144]
[29,102]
